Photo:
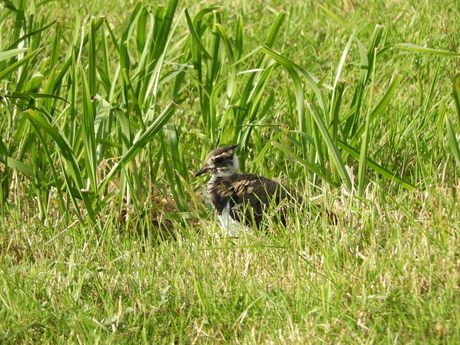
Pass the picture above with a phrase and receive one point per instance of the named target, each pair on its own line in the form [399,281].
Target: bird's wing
[254,186]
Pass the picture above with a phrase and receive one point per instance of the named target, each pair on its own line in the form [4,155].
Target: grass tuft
[107,110]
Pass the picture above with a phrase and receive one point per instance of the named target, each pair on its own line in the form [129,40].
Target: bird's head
[221,161]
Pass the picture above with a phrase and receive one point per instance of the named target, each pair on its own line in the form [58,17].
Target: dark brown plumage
[242,197]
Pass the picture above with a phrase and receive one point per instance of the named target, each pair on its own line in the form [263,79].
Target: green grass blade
[18,165]
[179,168]
[453,142]
[337,92]
[74,176]
[89,135]
[32,95]
[275,29]
[131,98]
[92,58]
[127,34]
[456,94]
[315,111]
[362,167]
[421,49]
[239,38]
[335,17]
[384,101]
[30,35]
[15,66]
[376,167]
[5,55]
[164,31]
[139,143]
[313,168]
[334,153]
[196,39]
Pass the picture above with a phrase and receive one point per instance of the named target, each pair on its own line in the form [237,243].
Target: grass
[107,111]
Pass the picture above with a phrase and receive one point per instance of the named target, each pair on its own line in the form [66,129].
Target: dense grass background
[107,110]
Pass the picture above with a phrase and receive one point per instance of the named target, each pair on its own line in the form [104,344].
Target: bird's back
[246,194]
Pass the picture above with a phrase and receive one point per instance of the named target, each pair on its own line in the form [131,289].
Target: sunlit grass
[108,110]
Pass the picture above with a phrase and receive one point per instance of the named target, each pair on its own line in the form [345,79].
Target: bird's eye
[219,160]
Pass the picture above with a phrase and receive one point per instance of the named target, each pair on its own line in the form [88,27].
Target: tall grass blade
[453,142]
[318,113]
[335,17]
[384,101]
[18,165]
[162,32]
[309,166]
[362,167]
[140,142]
[179,168]
[71,170]
[15,66]
[456,94]
[421,49]
[196,39]
[376,167]
[8,54]
[334,153]
[89,135]
[451,135]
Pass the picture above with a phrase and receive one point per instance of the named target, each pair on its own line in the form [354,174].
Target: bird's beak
[202,171]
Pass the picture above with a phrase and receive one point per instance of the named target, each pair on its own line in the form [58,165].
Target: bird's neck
[215,179]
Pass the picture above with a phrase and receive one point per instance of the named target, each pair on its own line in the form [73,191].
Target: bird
[239,199]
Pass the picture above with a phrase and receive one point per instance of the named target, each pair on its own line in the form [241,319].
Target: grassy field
[109,108]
